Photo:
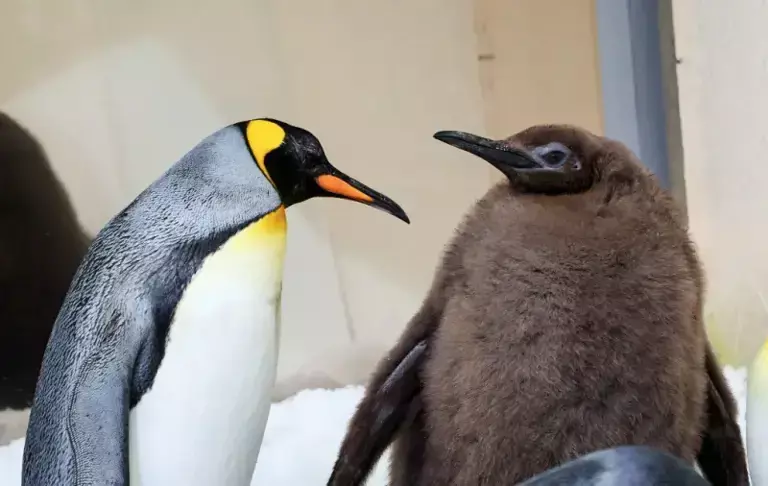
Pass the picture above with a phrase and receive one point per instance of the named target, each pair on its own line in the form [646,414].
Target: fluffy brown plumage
[41,245]
[565,318]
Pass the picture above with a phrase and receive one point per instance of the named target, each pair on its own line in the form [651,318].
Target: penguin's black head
[294,161]
[544,159]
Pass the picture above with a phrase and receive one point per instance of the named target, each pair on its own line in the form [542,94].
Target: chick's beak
[500,155]
[336,184]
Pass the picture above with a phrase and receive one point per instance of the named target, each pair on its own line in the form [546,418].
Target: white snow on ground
[303,435]
[737,379]
[10,463]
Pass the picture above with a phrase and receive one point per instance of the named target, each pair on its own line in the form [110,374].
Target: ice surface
[303,436]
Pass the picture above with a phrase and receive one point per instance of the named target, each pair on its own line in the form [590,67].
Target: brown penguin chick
[565,318]
[41,245]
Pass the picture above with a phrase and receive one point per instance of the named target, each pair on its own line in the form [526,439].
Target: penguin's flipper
[78,428]
[98,423]
[721,458]
[387,402]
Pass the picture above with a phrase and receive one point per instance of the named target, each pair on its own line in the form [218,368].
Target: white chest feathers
[202,421]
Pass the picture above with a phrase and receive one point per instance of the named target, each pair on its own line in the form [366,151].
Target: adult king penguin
[565,318]
[161,361]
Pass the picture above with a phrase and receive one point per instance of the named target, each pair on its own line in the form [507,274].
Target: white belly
[203,420]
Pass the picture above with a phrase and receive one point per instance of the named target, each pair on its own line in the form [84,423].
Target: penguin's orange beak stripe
[337,186]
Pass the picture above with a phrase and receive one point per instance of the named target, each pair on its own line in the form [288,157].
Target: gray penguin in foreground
[622,466]
[161,362]
[565,318]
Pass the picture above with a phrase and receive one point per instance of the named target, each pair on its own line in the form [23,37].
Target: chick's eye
[553,154]
[555,157]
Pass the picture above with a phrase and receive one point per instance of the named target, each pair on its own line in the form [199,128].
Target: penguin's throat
[266,231]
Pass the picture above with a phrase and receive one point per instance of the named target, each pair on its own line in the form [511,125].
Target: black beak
[500,155]
[334,183]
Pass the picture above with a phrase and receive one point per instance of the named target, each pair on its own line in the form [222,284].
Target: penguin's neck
[203,418]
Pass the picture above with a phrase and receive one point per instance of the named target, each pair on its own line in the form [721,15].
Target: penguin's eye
[555,157]
[554,154]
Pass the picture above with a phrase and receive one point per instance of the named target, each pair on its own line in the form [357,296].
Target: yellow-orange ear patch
[263,137]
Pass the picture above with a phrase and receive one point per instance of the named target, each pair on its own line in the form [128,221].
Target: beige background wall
[530,76]
[537,67]
[722,77]
[118,91]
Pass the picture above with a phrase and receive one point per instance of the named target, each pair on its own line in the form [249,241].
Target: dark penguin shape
[622,466]
[41,246]
[565,318]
